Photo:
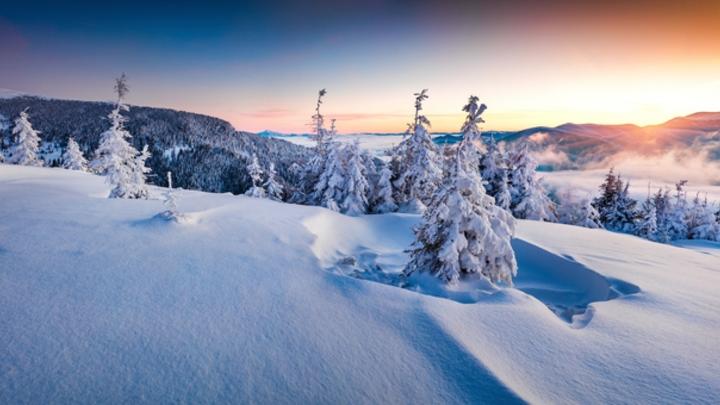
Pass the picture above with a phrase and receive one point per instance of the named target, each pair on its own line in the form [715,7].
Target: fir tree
[493,168]
[701,221]
[622,216]
[25,150]
[140,171]
[384,201]
[662,205]
[329,188]
[115,158]
[616,208]
[418,166]
[255,172]
[463,232]
[677,218]
[273,187]
[647,223]
[355,192]
[171,210]
[529,199]
[578,212]
[471,144]
[73,158]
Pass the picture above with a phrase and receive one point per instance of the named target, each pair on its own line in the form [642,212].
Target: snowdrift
[250,301]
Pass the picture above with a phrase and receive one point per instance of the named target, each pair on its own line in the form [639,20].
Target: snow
[101,302]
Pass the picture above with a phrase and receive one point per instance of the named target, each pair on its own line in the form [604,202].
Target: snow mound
[373,248]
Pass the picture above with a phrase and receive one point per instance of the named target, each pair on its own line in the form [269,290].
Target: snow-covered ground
[256,301]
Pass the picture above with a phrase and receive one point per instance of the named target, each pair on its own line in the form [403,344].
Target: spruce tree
[25,149]
[328,190]
[493,168]
[355,201]
[120,163]
[171,212]
[274,189]
[419,167]
[73,158]
[528,197]
[647,226]
[384,198]
[255,172]
[464,233]
[677,218]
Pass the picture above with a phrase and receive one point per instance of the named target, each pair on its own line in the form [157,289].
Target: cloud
[697,163]
[539,137]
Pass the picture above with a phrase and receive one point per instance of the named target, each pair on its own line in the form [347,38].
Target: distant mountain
[204,153]
[584,144]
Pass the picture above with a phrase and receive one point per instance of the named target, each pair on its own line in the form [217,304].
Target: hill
[204,153]
[256,301]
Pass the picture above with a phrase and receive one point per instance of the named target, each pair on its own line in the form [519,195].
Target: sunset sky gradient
[259,64]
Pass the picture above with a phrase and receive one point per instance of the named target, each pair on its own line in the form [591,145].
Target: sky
[260,64]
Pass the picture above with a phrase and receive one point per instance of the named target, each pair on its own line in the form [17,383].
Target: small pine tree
[418,165]
[171,210]
[255,172]
[577,211]
[493,168]
[463,232]
[27,142]
[115,158]
[662,205]
[329,188]
[701,221]
[608,195]
[140,171]
[529,199]
[616,209]
[385,201]
[356,185]
[274,188]
[677,218]
[647,223]
[73,158]
[622,216]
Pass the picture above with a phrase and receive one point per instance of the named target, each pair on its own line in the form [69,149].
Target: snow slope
[245,302]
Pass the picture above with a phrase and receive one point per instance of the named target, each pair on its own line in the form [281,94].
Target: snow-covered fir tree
[577,211]
[701,222]
[616,208]
[328,190]
[140,173]
[171,212]
[470,148]
[384,201]
[316,165]
[25,149]
[647,221]
[493,168]
[356,188]
[321,134]
[418,166]
[273,188]
[623,215]
[677,218]
[256,173]
[662,204]
[528,197]
[115,158]
[73,158]
[463,232]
